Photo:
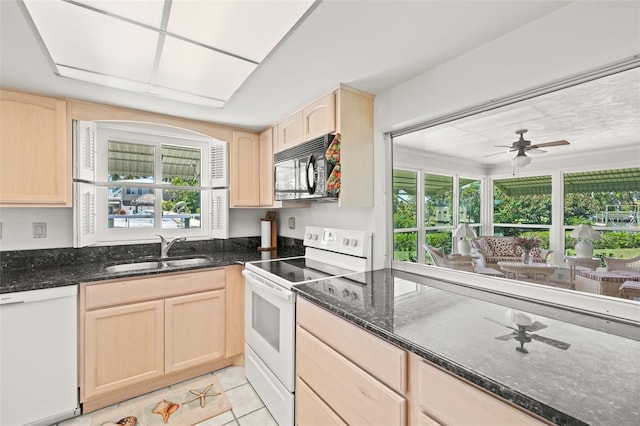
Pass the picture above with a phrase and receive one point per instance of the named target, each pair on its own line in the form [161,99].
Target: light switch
[39,229]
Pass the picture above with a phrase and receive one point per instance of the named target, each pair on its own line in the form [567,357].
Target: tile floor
[247,409]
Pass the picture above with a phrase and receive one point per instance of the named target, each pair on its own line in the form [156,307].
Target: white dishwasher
[38,356]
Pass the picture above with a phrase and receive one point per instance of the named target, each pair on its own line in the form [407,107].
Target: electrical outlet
[292,223]
[39,229]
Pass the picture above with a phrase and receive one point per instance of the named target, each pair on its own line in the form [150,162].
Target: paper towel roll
[265,255]
[265,233]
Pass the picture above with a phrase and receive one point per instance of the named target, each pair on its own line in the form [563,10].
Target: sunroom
[578,164]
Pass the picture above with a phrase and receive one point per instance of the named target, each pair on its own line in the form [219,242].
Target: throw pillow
[503,247]
[535,252]
[483,245]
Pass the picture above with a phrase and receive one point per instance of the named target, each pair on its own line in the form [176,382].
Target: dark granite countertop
[40,269]
[596,380]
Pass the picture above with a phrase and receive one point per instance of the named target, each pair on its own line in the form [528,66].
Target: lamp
[521,159]
[464,231]
[584,232]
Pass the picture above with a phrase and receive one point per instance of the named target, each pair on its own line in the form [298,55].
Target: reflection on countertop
[38,269]
[577,369]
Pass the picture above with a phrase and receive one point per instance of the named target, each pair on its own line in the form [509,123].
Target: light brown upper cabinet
[290,131]
[349,112]
[266,168]
[244,169]
[319,118]
[251,170]
[315,120]
[35,166]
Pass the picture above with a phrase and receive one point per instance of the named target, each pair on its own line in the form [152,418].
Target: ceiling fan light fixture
[521,160]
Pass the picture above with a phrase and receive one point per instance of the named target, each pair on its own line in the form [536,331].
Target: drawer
[311,410]
[352,393]
[453,401]
[112,293]
[424,420]
[383,360]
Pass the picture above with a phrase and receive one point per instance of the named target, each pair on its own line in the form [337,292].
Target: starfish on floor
[202,395]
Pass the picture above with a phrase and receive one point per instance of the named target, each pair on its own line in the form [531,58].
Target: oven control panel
[355,243]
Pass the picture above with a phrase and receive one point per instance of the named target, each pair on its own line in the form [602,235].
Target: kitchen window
[136,180]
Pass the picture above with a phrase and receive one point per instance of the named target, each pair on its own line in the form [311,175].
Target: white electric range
[270,309]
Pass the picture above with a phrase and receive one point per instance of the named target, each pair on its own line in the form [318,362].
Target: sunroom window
[433,220]
[609,201]
[523,206]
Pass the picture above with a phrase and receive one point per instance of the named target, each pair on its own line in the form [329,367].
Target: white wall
[17,226]
[581,36]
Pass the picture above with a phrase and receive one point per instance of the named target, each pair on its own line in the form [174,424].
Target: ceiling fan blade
[499,323]
[536,326]
[554,143]
[506,336]
[497,153]
[504,146]
[536,151]
[555,343]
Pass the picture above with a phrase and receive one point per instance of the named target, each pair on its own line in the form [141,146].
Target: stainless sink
[158,264]
[195,261]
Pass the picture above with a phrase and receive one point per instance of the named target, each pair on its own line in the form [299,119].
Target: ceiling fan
[524,333]
[523,146]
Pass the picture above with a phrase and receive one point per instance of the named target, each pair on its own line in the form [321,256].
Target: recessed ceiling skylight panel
[193,51]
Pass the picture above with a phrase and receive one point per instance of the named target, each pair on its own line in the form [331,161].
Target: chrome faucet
[165,246]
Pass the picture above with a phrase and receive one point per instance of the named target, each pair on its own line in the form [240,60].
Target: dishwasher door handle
[4,302]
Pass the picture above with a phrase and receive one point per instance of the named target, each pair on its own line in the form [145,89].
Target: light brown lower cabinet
[440,398]
[343,381]
[141,334]
[346,375]
[312,410]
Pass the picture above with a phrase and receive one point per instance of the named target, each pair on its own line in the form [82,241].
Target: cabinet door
[35,166]
[319,118]
[353,394]
[194,329]
[124,346]
[235,311]
[245,170]
[439,394]
[266,168]
[290,131]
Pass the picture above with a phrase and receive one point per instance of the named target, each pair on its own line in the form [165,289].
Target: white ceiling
[372,46]
[602,114]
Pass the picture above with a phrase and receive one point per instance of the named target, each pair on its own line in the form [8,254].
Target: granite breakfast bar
[578,368]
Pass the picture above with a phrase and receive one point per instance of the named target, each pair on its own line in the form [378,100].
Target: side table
[574,261]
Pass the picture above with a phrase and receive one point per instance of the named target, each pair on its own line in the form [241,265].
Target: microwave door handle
[311,188]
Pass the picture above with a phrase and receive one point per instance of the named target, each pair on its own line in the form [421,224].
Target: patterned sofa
[608,282]
[492,249]
[459,262]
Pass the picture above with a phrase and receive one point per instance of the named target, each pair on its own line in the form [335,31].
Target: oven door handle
[264,285]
